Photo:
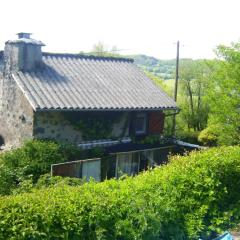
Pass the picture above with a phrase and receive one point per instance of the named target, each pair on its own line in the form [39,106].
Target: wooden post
[176,89]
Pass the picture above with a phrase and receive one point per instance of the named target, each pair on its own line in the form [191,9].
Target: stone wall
[16,114]
[64,126]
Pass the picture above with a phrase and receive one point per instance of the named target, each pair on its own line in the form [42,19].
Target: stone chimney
[23,54]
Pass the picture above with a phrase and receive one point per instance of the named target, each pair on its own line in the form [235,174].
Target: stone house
[84,100]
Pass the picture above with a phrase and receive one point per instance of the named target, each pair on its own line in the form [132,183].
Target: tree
[193,84]
[100,49]
[224,94]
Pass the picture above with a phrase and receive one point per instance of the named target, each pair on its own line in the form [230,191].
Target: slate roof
[79,82]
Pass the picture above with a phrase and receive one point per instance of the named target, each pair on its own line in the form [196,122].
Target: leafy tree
[100,49]
[193,84]
[224,94]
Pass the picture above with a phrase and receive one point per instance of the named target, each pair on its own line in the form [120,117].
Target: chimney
[23,54]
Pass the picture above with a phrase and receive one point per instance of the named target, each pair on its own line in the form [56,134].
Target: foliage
[30,161]
[163,69]
[100,49]
[98,127]
[223,94]
[193,196]
[94,125]
[192,101]
[193,85]
[150,139]
[209,135]
[45,181]
[21,168]
[189,136]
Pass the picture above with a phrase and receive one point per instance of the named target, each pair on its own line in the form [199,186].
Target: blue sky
[136,26]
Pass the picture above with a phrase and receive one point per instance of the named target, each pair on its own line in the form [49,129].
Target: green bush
[45,181]
[209,136]
[34,158]
[188,136]
[31,161]
[22,167]
[193,196]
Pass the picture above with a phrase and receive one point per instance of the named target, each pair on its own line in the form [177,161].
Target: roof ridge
[93,57]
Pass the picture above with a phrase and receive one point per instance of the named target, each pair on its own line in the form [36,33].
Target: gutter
[185,144]
[177,111]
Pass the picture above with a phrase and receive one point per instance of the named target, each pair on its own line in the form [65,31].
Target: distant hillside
[164,69]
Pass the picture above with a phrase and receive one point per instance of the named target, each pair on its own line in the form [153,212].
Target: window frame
[144,127]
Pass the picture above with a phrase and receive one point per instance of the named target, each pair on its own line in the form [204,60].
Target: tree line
[210,97]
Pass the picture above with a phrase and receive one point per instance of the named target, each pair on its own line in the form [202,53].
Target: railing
[102,143]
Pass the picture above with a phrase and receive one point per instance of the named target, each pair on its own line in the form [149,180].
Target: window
[91,169]
[127,163]
[148,157]
[140,123]
[132,162]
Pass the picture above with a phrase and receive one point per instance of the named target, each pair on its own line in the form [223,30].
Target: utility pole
[176,88]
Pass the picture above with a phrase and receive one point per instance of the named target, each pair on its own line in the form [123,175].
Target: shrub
[193,196]
[188,136]
[45,181]
[22,167]
[34,158]
[31,161]
[209,136]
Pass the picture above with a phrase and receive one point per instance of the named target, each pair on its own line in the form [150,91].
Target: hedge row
[193,196]
[34,159]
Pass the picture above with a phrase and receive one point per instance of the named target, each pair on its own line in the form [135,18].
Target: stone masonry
[55,125]
[16,114]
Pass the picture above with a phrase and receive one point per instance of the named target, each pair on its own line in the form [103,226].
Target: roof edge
[104,109]
[24,93]
[88,56]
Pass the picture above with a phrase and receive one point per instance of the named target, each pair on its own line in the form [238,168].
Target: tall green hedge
[192,196]
[30,161]
[34,159]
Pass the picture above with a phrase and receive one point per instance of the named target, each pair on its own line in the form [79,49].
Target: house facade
[83,100]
